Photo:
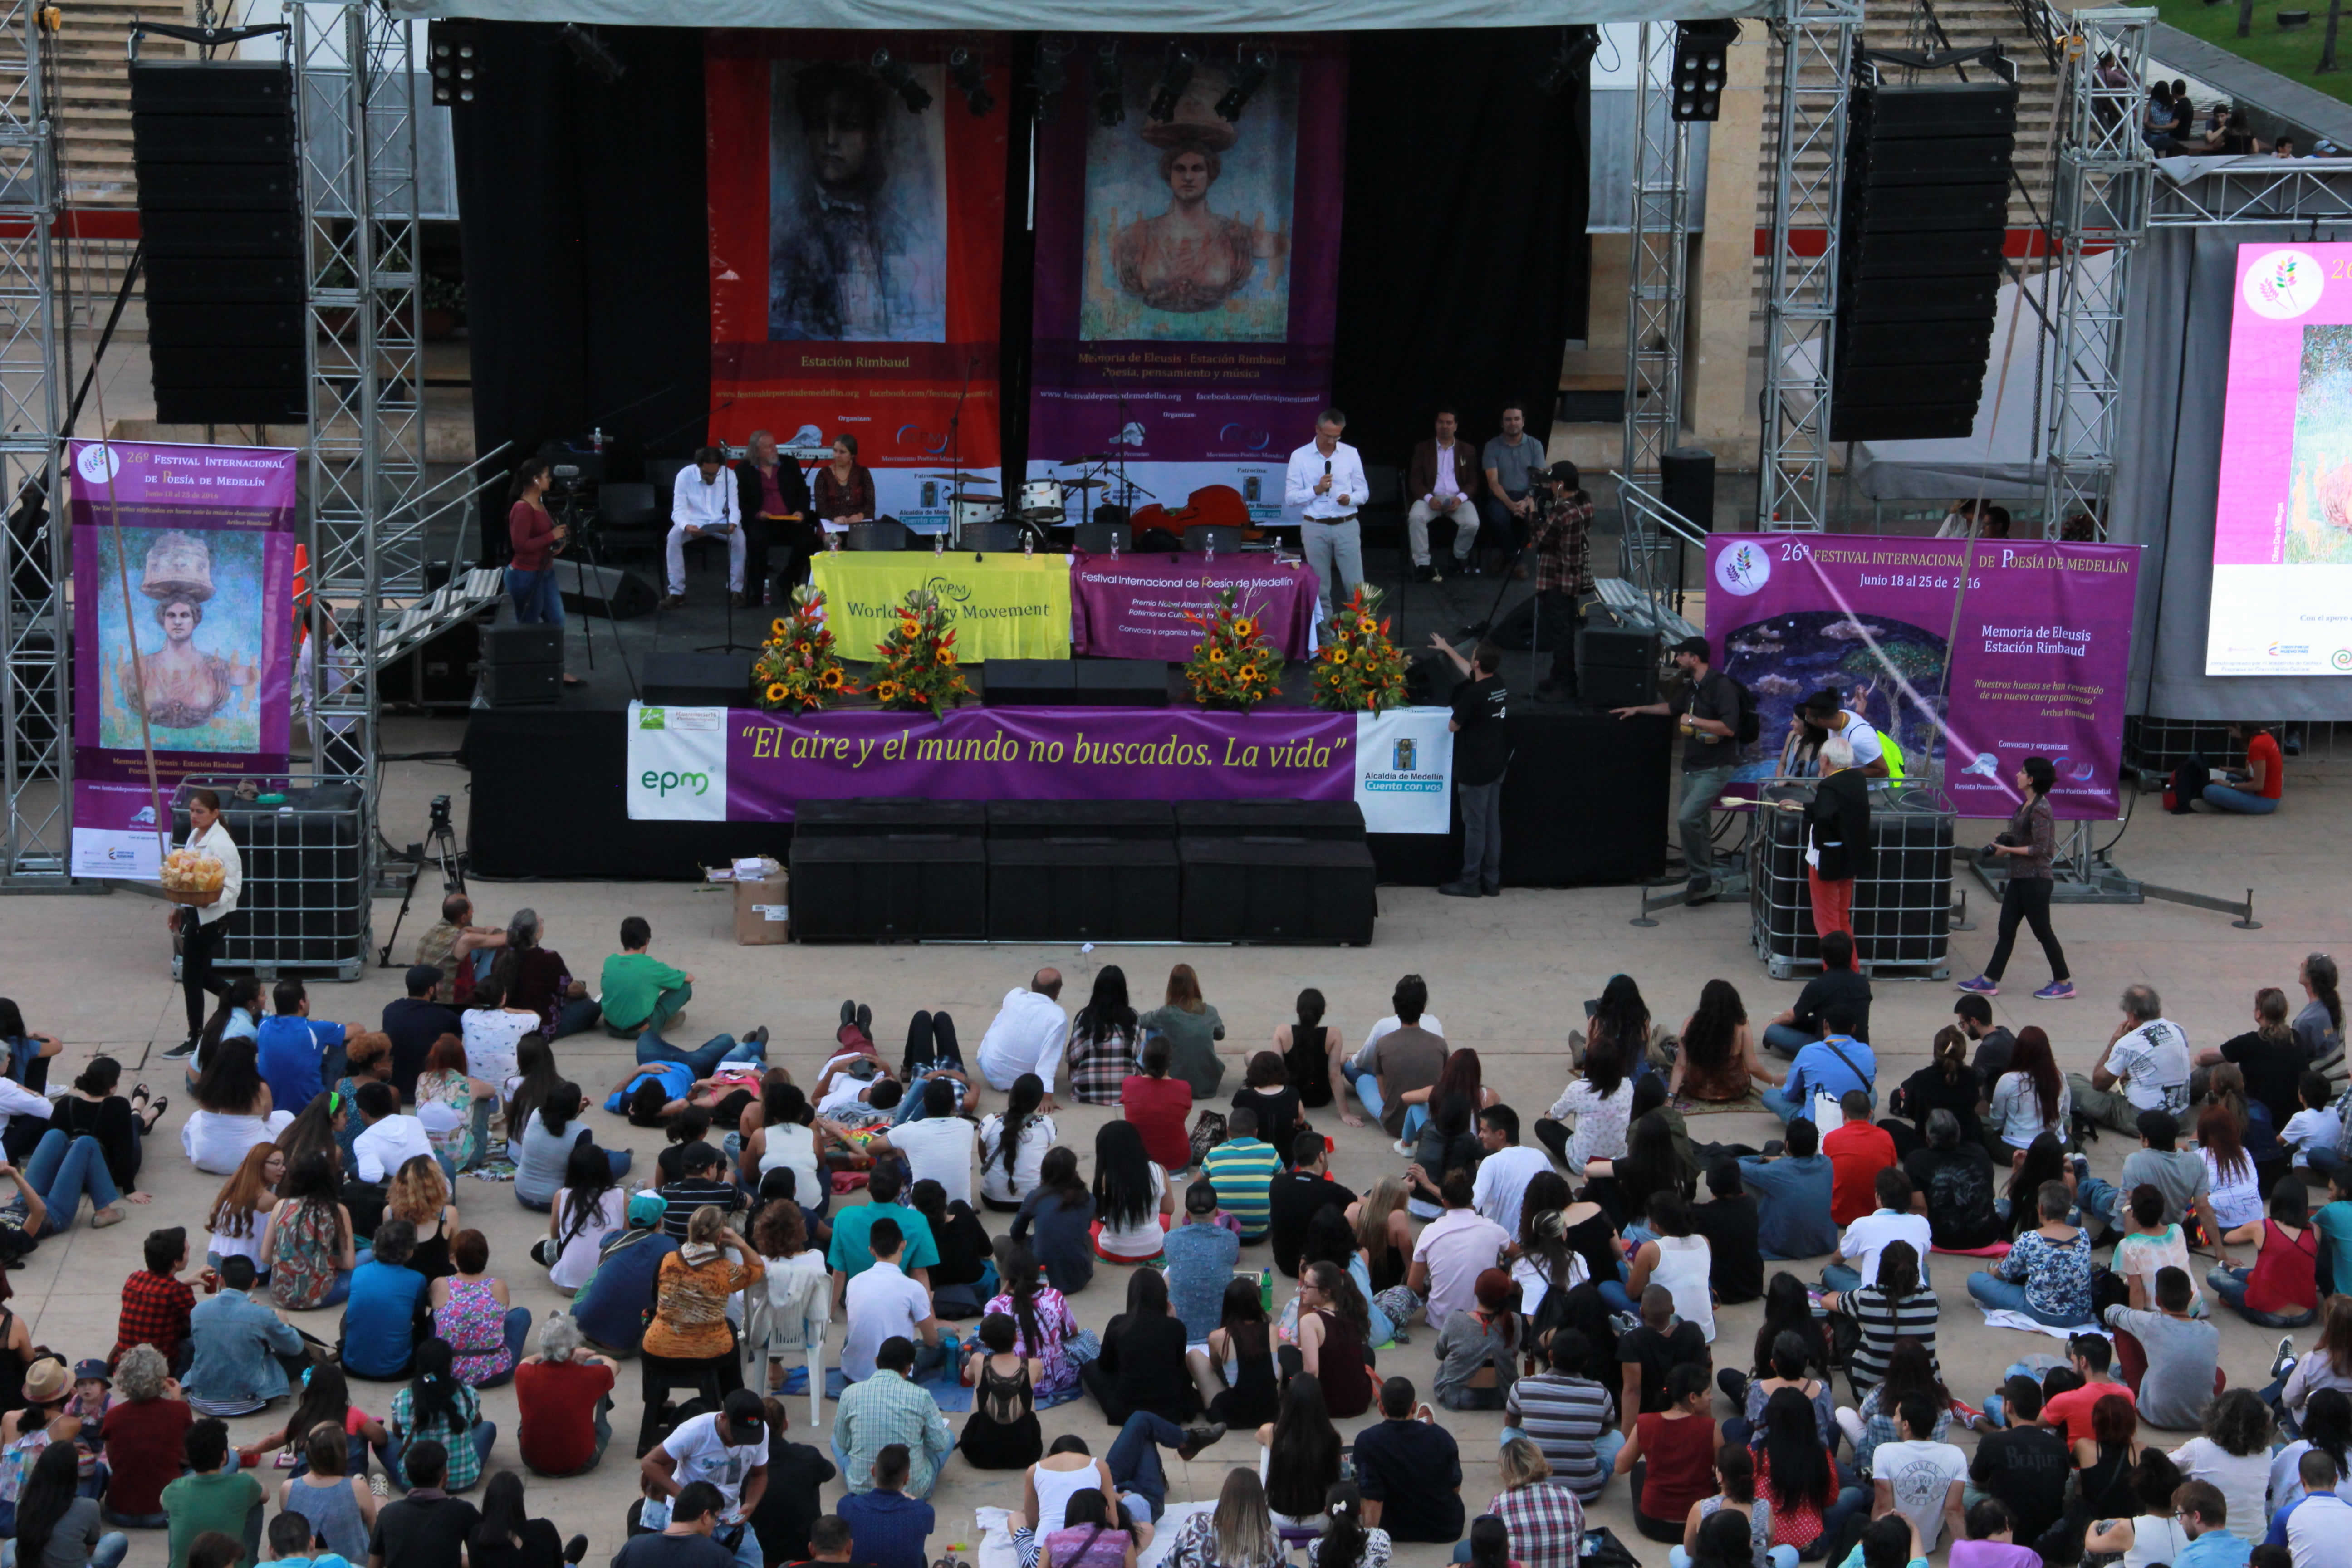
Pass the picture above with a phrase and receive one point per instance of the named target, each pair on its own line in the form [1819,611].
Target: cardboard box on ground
[762,902]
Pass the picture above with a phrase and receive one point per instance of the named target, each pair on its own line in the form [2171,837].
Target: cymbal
[1083,484]
[948,477]
[1085,457]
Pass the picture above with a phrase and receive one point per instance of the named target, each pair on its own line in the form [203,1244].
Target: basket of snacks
[193,877]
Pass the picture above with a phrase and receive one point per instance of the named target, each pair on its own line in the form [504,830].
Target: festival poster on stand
[200,577]
[857,258]
[1186,277]
[2035,668]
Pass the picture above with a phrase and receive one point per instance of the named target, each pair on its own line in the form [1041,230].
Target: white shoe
[1404,1147]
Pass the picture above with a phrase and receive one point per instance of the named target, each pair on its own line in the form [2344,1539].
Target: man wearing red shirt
[2071,1410]
[1857,1151]
[155,1302]
[566,1409]
[146,1431]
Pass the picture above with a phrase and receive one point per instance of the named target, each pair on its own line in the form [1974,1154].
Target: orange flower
[778,627]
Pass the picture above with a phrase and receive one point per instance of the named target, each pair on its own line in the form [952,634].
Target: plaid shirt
[1546,1525]
[884,1409]
[155,1309]
[1563,546]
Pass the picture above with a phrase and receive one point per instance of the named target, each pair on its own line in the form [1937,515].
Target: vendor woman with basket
[201,926]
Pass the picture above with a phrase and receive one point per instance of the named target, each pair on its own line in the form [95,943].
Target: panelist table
[1133,606]
[1004,605]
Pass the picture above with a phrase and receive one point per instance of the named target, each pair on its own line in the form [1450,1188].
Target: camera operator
[535,538]
[1561,532]
[774,498]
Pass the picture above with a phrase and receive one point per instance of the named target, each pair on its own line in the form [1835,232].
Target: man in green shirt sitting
[641,993]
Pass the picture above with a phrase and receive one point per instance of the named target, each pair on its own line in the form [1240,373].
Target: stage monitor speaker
[1615,668]
[607,590]
[443,673]
[213,143]
[1264,819]
[1102,538]
[885,534]
[889,889]
[1029,683]
[1203,537]
[1048,890]
[1121,682]
[696,681]
[1250,891]
[522,685]
[505,642]
[1000,538]
[1090,821]
[1687,484]
[882,816]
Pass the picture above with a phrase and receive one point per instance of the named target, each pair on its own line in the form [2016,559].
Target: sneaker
[735,598]
[2056,991]
[755,1037]
[1625,1322]
[1459,889]
[1426,573]
[2285,1360]
[575,1549]
[181,1051]
[1774,1149]
[378,1488]
[672,602]
[1980,986]
[1697,893]
[1404,1146]
[865,1020]
[1197,1437]
[1465,567]
[2081,1168]
[113,1214]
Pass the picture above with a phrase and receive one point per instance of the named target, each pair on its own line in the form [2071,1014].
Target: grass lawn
[2291,53]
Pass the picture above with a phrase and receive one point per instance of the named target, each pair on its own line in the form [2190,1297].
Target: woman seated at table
[844,488]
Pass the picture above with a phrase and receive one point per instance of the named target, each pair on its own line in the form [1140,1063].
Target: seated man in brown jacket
[1443,482]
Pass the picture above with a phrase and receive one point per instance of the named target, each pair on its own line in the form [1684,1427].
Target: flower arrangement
[800,668]
[918,660]
[1359,669]
[1232,665]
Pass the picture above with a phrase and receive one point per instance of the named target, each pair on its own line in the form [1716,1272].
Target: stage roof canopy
[1077,16]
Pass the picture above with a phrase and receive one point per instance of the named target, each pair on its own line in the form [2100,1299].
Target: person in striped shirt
[1567,1417]
[1243,1169]
[1894,1306]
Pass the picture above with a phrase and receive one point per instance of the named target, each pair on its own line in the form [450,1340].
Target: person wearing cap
[1708,708]
[1201,1255]
[728,1449]
[414,1021]
[611,1307]
[1563,548]
[1325,484]
[699,504]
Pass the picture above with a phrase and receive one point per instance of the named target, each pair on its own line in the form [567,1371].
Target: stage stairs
[464,597]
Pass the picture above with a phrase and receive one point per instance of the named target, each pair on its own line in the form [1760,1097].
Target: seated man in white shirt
[1858,1249]
[701,504]
[937,1146]
[882,1303]
[391,1138]
[1027,1035]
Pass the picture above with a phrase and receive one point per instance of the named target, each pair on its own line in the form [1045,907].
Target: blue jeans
[2241,802]
[1997,1294]
[518,1332]
[1367,1090]
[579,1013]
[1787,1039]
[61,1170]
[537,601]
[2230,1284]
[1775,1100]
[1416,1117]
[1134,1459]
[1841,1278]
[2323,1163]
[704,1057]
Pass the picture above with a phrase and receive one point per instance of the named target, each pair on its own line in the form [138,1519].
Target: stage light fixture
[1251,66]
[1175,76]
[1702,62]
[1110,93]
[592,54]
[964,70]
[454,49]
[899,79]
[1576,47]
[1051,79]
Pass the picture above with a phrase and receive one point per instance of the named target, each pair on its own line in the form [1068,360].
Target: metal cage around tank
[1901,903]
[303,909]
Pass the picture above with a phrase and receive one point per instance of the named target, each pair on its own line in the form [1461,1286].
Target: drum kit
[1043,504]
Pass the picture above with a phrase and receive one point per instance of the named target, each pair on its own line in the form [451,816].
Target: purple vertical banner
[2034,665]
[1187,275]
[184,620]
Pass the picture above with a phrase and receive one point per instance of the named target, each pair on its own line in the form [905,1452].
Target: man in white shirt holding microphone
[1327,480]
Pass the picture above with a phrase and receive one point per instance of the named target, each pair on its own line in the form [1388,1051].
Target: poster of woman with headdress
[196,601]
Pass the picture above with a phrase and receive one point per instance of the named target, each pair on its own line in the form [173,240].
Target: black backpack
[1751,724]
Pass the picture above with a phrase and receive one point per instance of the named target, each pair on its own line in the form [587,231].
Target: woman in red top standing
[534,536]
[1158,1106]
[844,487]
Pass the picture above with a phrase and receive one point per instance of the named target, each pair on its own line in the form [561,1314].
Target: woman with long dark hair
[93,1109]
[1649,1165]
[1299,1455]
[1132,1197]
[1334,1337]
[307,1241]
[1095,1534]
[535,1067]
[1061,1210]
[234,1110]
[56,1525]
[1143,1362]
[2281,1289]
[1788,1368]
[2032,1097]
[2234,1192]
[1312,1052]
[436,1405]
[1796,1473]
[1590,1120]
[324,1399]
[1894,1307]
[2320,1024]
[1462,1075]
[1718,1049]
[1103,1040]
[844,490]
[1012,1144]
[236,1017]
[1676,1449]
[1267,1094]
[591,1204]
[1910,1374]
[537,977]
[2044,1159]
[535,537]
[1042,1317]
[2027,846]
[508,1537]
[1447,1142]
[548,1140]
[1235,1374]
[1947,1083]
[1621,1016]
[1347,1542]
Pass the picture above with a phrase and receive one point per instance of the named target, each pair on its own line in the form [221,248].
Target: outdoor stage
[1588,799]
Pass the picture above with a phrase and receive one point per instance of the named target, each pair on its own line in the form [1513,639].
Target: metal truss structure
[2249,191]
[1655,314]
[2099,208]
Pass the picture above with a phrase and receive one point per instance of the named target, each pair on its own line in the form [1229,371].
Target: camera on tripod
[440,819]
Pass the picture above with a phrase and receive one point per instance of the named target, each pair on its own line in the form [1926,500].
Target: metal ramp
[462,597]
[1636,610]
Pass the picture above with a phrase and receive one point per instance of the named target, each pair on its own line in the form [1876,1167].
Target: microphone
[1327,467]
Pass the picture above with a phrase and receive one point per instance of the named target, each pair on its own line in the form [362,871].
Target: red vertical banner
[856,255]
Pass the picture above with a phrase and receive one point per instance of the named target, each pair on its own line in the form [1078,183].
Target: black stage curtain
[587,244]
[1462,256]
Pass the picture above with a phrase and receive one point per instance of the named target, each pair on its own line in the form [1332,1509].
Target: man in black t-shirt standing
[1481,751]
[1708,707]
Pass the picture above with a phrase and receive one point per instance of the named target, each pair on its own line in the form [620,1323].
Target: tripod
[580,569]
[730,645]
[440,847]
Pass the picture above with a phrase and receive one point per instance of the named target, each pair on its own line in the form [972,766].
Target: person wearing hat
[728,1449]
[699,504]
[1562,541]
[1201,1255]
[1708,708]
[611,1307]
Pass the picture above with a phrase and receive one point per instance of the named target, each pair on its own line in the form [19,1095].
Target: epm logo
[662,784]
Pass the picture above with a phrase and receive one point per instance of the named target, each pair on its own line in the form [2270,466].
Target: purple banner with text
[1134,606]
[2034,666]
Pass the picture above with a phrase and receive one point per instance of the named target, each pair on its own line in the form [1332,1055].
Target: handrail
[1658,511]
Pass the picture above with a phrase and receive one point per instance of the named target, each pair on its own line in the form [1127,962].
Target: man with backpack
[1717,718]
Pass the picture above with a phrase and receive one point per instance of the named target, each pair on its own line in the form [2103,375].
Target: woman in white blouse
[1588,1122]
[1013,1146]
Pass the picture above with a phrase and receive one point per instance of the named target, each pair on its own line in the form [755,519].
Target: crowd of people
[1563,1268]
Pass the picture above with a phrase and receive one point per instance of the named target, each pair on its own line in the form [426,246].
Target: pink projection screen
[2281,596]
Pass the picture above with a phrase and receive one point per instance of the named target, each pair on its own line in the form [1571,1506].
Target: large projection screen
[2282,598]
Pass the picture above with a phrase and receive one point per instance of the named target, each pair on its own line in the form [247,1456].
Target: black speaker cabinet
[1686,483]
[1029,683]
[1270,818]
[879,816]
[1044,890]
[696,679]
[1615,668]
[1250,891]
[889,889]
[1102,538]
[1090,821]
[522,685]
[1121,682]
[887,533]
[506,643]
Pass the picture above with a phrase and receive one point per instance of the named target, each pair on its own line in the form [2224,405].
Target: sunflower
[1249,672]
[947,656]
[1366,625]
[1245,628]
[776,692]
[887,691]
[777,626]
[1339,654]
[1216,656]
[830,681]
